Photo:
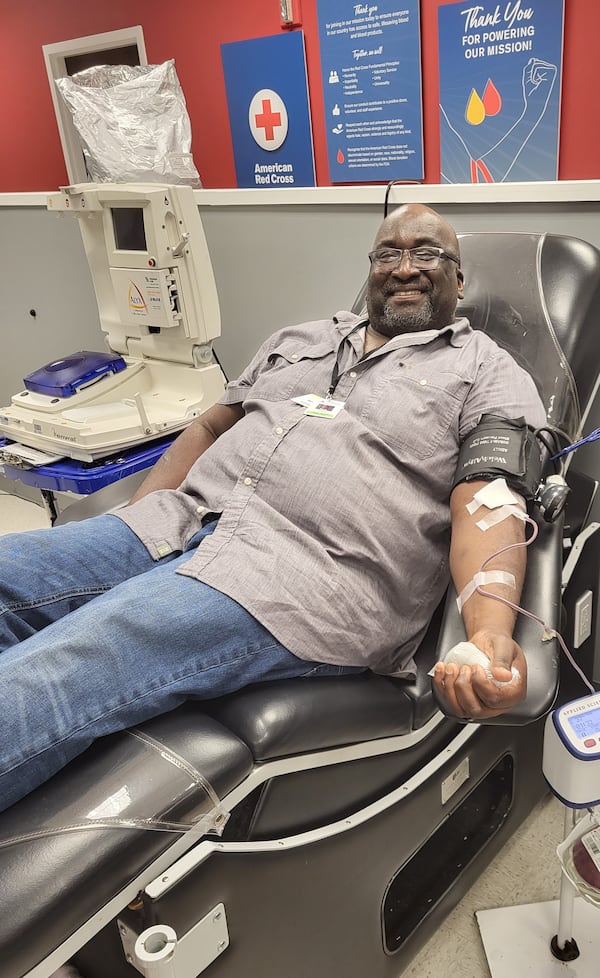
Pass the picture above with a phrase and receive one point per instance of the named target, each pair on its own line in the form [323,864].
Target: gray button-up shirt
[334,532]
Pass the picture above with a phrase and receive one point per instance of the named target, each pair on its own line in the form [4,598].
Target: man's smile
[400,293]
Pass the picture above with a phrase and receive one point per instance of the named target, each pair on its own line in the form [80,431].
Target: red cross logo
[268,119]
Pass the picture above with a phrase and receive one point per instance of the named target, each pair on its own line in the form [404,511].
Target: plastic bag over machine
[133,123]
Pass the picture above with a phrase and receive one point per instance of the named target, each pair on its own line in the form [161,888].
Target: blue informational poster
[267,97]
[371,65]
[500,80]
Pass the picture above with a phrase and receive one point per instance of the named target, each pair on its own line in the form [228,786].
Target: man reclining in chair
[300,527]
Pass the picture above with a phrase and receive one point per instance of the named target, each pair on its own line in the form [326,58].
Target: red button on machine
[589,742]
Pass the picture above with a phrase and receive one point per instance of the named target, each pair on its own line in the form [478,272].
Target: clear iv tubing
[206,824]
[548,632]
[213,821]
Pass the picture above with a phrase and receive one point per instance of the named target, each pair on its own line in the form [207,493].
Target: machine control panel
[571,745]
[578,725]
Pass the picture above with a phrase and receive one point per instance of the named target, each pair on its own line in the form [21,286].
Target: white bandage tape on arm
[493,495]
[503,502]
[497,515]
[484,577]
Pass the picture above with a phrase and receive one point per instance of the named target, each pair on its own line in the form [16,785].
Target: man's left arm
[488,623]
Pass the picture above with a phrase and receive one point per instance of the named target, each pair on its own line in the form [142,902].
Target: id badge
[325,408]
[319,407]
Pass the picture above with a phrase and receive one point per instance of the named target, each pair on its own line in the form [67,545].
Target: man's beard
[412,319]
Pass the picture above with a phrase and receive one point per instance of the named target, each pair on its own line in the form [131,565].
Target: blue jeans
[95,636]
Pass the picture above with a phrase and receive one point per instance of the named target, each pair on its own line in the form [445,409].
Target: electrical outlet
[582,626]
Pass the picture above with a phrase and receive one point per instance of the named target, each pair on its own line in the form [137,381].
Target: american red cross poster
[269,117]
[500,81]
[371,70]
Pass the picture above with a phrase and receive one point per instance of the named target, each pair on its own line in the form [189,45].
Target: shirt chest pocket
[292,369]
[413,413]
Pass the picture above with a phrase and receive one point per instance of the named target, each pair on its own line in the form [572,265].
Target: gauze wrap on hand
[467,654]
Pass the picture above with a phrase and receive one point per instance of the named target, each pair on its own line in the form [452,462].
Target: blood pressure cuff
[499,448]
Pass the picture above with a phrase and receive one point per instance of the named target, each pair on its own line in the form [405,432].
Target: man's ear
[461,283]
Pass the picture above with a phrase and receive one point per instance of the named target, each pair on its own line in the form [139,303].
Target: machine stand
[563,945]
[568,952]
[571,776]
[516,941]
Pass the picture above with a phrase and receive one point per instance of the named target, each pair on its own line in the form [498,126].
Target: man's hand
[468,691]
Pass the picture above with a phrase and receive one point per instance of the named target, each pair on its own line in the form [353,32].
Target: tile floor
[526,871]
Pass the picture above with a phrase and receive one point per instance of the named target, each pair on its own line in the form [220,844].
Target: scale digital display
[586,724]
[128,225]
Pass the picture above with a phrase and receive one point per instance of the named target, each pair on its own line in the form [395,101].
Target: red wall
[31,156]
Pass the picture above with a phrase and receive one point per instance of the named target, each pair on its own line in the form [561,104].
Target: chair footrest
[50,886]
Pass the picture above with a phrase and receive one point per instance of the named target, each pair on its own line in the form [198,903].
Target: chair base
[296,905]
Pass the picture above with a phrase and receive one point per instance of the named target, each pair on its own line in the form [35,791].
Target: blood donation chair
[313,827]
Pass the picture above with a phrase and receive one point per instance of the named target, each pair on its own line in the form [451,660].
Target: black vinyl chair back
[538,295]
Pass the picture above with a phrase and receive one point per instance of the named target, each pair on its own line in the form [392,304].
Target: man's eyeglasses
[424,258]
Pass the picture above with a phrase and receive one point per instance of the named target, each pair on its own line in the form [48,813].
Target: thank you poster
[500,82]
[267,98]
[371,65]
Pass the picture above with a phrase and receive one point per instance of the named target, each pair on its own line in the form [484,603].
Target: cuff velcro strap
[484,577]
[501,448]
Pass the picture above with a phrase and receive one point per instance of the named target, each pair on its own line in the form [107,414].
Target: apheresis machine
[89,418]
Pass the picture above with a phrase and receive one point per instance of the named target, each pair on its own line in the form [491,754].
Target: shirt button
[278,430]
[247,481]
[200,509]
[353,374]
[294,356]
[423,382]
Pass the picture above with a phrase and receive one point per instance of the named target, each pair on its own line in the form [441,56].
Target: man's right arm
[173,466]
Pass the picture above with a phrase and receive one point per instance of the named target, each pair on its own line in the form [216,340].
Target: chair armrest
[542,597]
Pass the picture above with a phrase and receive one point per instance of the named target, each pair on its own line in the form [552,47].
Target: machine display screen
[128,225]
[586,724]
